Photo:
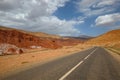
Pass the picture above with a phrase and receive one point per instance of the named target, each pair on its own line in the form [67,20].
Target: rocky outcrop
[8,49]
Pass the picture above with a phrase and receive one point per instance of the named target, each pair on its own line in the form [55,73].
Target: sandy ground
[14,63]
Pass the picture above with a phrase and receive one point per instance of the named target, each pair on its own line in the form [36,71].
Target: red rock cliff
[25,40]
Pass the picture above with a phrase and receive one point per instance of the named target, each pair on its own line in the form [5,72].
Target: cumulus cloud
[105,3]
[97,7]
[36,15]
[56,26]
[6,5]
[108,20]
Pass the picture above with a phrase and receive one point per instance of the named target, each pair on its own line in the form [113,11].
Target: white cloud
[108,20]
[54,25]
[6,5]
[97,7]
[36,15]
[105,3]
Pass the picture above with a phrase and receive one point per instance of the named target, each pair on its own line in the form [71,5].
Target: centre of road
[71,70]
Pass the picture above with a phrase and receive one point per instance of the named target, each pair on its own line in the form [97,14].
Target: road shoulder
[114,54]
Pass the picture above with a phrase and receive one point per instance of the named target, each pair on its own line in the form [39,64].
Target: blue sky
[61,17]
[70,11]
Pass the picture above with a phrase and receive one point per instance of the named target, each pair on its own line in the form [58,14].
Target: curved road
[93,64]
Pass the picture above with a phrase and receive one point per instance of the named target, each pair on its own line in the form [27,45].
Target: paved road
[93,64]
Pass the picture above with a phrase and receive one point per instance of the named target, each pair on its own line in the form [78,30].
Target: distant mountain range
[81,37]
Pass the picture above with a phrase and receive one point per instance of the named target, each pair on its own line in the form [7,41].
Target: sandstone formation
[26,39]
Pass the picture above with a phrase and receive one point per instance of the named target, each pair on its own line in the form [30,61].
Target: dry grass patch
[114,54]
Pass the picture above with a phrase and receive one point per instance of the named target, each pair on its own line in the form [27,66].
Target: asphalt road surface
[93,64]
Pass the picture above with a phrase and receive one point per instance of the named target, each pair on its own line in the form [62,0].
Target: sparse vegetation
[114,50]
[24,62]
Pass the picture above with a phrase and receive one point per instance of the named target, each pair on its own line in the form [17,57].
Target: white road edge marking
[70,71]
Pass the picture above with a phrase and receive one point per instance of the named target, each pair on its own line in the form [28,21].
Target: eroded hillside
[109,38]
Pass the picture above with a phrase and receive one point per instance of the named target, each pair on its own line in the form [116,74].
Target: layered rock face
[24,40]
[14,41]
